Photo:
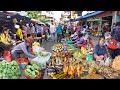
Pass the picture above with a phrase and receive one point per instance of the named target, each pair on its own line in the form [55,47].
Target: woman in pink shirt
[78,28]
[45,30]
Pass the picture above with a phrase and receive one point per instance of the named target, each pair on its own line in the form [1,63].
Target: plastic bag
[48,36]
[7,56]
[37,49]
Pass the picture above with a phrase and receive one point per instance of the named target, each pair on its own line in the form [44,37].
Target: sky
[57,15]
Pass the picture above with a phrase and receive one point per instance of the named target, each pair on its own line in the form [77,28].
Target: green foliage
[34,14]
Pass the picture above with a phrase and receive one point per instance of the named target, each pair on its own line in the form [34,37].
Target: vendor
[19,35]
[88,44]
[100,50]
[5,41]
[23,48]
[80,40]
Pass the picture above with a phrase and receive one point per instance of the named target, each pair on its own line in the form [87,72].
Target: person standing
[32,30]
[28,29]
[38,31]
[64,30]
[11,26]
[45,29]
[19,35]
[52,31]
[116,32]
[59,33]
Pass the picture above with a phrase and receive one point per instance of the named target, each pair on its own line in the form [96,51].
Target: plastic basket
[22,66]
[40,75]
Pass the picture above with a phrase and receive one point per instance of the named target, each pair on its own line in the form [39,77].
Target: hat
[113,44]
[17,26]
[29,40]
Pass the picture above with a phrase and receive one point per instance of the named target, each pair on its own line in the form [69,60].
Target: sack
[7,56]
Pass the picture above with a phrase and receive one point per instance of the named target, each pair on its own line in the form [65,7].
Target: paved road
[47,45]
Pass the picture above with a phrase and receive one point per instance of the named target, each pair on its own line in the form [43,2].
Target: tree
[43,19]
[34,14]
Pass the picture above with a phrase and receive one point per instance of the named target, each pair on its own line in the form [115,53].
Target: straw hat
[113,44]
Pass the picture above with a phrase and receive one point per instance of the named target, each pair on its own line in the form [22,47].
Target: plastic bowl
[40,75]
[22,66]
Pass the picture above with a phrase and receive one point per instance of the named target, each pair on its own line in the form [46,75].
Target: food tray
[106,76]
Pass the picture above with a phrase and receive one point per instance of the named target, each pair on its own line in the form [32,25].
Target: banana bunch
[61,75]
[83,50]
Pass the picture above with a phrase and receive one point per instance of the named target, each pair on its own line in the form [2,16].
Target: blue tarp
[89,15]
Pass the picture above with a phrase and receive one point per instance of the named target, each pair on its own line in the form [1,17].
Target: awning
[96,20]
[89,15]
[92,14]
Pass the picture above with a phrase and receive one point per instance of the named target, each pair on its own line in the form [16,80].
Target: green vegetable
[32,70]
[9,70]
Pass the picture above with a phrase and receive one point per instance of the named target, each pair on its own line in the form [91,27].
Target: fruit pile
[58,48]
[32,71]
[9,70]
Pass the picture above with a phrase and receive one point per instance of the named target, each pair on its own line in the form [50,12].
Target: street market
[87,47]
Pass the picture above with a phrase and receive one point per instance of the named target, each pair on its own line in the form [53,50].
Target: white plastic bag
[48,36]
[37,49]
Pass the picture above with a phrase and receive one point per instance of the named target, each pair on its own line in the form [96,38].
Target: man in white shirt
[52,31]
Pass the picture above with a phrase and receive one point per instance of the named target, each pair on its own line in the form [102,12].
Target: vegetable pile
[9,70]
[58,48]
[32,71]
[40,65]
[43,54]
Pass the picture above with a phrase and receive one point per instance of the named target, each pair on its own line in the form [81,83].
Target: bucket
[89,57]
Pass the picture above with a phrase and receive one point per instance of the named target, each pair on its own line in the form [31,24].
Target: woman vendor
[87,44]
[100,51]
[5,41]
[23,48]
[80,40]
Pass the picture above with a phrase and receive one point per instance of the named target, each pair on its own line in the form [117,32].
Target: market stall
[65,62]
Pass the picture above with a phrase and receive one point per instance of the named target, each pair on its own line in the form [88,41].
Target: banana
[62,76]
